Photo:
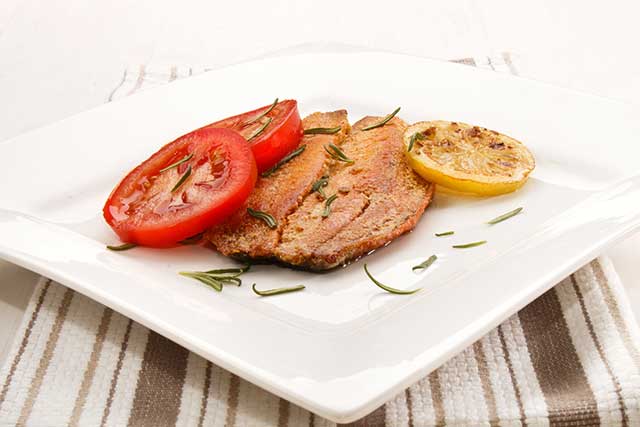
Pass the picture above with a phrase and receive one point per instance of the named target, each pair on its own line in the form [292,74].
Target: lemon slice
[467,158]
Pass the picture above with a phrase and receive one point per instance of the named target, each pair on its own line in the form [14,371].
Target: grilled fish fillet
[280,194]
[379,198]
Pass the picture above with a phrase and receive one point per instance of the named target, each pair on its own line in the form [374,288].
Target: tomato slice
[160,203]
[272,135]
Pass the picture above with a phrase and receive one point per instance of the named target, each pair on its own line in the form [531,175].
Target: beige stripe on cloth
[92,364]
[570,358]
[33,308]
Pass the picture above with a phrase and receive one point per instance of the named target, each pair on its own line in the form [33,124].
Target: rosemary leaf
[337,153]
[425,264]
[276,291]
[261,129]
[444,233]
[469,245]
[505,216]
[203,278]
[383,121]
[418,136]
[322,131]
[389,288]
[327,205]
[284,160]
[178,163]
[182,179]
[216,279]
[231,281]
[270,220]
[122,247]
[267,111]
[236,271]
[319,184]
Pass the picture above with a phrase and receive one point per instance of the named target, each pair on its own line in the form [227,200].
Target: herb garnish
[233,271]
[192,240]
[425,264]
[317,186]
[122,247]
[255,119]
[389,288]
[182,179]
[284,160]
[322,131]
[383,121]
[445,233]
[178,163]
[469,245]
[418,136]
[261,129]
[276,291]
[270,220]
[505,216]
[337,153]
[327,205]
[217,278]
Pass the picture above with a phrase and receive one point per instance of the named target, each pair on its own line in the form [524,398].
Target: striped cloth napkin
[570,358]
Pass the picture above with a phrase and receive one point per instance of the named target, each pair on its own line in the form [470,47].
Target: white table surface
[59,58]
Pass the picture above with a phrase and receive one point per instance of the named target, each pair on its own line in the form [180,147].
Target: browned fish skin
[379,198]
[280,193]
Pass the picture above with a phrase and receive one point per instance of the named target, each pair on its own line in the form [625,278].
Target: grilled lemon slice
[467,158]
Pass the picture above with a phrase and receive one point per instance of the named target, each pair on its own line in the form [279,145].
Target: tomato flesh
[281,135]
[220,172]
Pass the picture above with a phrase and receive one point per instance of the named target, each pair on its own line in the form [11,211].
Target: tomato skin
[278,139]
[140,211]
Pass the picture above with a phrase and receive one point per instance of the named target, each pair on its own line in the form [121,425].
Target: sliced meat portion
[379,198]
[280,193]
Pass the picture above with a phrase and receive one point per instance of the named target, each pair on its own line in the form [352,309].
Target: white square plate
[342,347]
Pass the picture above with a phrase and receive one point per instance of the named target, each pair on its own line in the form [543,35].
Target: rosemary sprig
[327,205]
[261,129]
[505,216]
[234,270]
[178,163]
[469,245]
[211,280]
[182,179]
[445,233]
[319,184]
[418,136]
[284,160]
[122,247]
[389,288]
[425,264]
[383,121]
[322,131]
[337,153]
[208,280]
[270,220]
[192,240]
[276,291]
[267,111]
[216,279]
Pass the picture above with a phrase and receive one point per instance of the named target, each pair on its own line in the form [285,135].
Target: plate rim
[346,413]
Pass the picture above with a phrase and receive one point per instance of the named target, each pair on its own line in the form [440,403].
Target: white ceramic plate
[342,347]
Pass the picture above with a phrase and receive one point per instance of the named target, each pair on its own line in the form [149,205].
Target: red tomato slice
[157,205]
[271,136]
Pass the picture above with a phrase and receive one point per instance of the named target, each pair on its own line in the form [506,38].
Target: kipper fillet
[379,198]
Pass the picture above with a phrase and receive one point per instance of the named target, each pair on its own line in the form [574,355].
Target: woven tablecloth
[569,358]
